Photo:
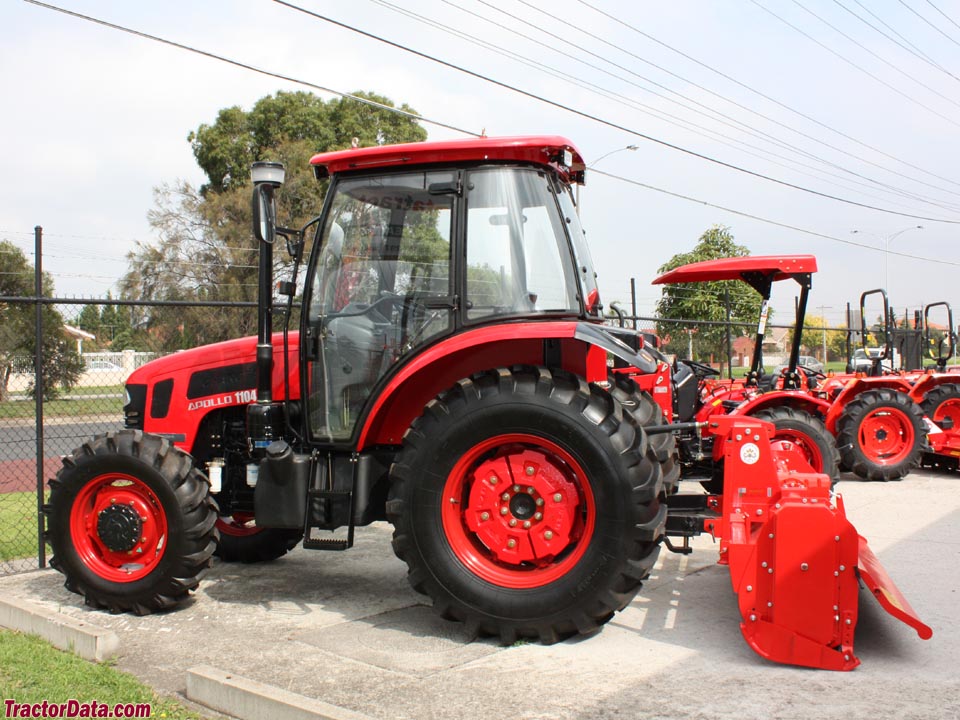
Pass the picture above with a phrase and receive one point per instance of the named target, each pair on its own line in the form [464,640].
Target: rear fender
[580,348]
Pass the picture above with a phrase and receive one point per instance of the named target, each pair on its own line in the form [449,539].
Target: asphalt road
[18,449]
[346,628]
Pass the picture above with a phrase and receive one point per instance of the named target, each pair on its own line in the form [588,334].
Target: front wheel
[795,430]
[881,434]
[527,503]
[942,406]
[131,522]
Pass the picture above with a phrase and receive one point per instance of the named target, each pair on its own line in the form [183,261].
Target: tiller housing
[795,560]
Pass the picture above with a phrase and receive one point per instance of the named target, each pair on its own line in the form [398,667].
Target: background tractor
[449,372]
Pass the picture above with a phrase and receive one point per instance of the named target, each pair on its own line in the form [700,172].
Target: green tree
[816,330]
[204,248]
[61,364]
[705,301]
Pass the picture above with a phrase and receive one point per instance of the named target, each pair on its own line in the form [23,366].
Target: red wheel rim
[948,410]
[518,511]
[240,524]
[115,500]
[801,442]
[886,436]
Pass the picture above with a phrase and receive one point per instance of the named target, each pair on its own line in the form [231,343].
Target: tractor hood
[222,354]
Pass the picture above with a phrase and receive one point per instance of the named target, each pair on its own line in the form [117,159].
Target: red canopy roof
[542,149]
[734,268]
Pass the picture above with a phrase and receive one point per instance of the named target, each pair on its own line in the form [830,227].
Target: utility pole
[823,316]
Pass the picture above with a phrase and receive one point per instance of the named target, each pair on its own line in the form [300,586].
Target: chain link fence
[88,349]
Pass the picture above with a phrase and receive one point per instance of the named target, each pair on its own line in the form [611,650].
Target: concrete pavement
[346,629]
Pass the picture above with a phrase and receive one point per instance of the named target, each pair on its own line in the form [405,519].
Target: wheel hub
[119,527]
[522,506]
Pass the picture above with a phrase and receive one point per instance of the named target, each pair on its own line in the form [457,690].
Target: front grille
[136,404]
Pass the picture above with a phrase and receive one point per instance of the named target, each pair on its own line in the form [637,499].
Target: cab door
[380,287]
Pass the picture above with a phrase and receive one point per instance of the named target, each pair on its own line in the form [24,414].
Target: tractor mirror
[267,177]
[263,213]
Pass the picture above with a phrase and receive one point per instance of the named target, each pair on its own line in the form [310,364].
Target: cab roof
[540,149]
[780,267]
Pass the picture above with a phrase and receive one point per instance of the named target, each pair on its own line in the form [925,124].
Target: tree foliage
[705,301]
[204,248]
[61,364]
[816,329]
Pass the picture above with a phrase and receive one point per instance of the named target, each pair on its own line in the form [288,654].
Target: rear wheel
[242,541]
[646,413]
[526,503]
[131,522]
[881,435]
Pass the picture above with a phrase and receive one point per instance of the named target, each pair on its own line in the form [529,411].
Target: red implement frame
[794,557]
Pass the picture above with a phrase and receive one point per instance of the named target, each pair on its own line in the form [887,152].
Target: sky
[743,113]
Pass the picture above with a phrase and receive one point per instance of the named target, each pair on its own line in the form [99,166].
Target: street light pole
[885,245]
[593,164]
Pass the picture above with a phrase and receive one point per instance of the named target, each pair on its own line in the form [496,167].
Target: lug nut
[493,479]
[516,488]
[539,501]
[505,496]
[484,516]
[530,470]
[538,516]
[557,497]
[511,543]
[513,522]
[530,491]
[526,524]
[503,511]
[548,535]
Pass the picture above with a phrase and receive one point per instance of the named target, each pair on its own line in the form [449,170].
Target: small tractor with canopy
[449,373]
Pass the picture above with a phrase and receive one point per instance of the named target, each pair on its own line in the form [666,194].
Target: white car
[103,366]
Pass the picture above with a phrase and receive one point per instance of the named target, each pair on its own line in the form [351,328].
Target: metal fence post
[38,385]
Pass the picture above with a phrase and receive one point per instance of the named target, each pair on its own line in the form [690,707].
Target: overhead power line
[247,66]
[851,63]
[769,98]
[906,45]
[786,226]
[727,120]
[602,121]
[876,55]
[701,130]
[928,22]
[949,19]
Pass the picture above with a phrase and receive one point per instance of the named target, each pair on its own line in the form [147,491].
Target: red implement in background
[794,558]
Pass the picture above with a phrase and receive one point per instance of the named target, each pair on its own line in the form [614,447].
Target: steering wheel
[701,370]
[810,372]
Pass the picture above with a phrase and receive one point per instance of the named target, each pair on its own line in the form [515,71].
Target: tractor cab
[405,258]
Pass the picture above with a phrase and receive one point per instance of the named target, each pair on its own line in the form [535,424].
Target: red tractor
[782,400]
[450,374]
